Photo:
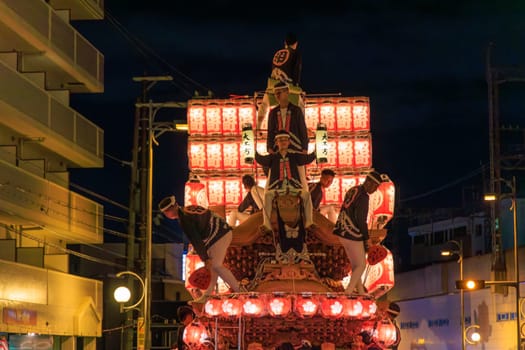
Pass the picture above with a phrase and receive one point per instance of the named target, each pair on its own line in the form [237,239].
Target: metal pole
[462,297]
[516,264]
[149,235]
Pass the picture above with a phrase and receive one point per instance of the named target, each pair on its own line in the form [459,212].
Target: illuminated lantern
[321,143]
[195,192]
[196,120]
[195,335]
[385,333]
[369,308]
[213,307]
[254,306]
[381,207]
[215,191]
[231,307]
[380,278]
[327,116]
[214,156]
[247,114]
[193,262]
[361,116]
[230,120]
[279,305]
[232,191]
[213,120]
[231,154]
[311,116]
[248,144]
[306,305]
[331,307]
[362,152]
[352,307]
[344,117]
[345,152]
[197,155]
[348,182]
[332,194]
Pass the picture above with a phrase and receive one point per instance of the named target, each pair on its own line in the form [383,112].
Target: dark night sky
[422,63]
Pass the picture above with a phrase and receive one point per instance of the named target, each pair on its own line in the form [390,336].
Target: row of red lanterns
[281,305]
[226,117]
[354,152]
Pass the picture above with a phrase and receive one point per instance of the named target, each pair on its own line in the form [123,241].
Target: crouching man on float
[284,178]
[210,236]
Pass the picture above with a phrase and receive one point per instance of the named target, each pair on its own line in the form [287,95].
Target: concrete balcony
[81,9]
[33,112]
[51,211]
[49,302]
[47,43]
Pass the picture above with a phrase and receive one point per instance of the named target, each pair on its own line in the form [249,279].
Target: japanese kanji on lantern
[248,143]
[321,143]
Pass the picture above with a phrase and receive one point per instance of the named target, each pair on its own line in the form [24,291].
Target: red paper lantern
[216,191]
[195,193]
[213,307]
[213,120]
[345,151]
[369,308]
[231,155]
[361,116]
[279,305]
[344,117]
[331,307]
[381,205]
[311,115]
[380,278]
[306,305]
[352,307]
[231,307]
[214,156]
[197,156]
[230,120]
[254,306]
[362,152]
[232,191]
[247,114]
[385,333]
[328,116]
[196,120]
[193,262]
[195,334]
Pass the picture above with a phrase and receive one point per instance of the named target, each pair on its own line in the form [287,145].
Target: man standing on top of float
[286,68]
[287,116]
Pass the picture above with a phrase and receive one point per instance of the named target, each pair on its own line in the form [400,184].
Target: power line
[443,187]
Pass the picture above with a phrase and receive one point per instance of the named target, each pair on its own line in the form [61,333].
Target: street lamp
[516,282]
[472,335]
[459,253]
[122,295]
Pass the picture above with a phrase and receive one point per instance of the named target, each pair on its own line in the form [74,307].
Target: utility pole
[497,76]
[143,170]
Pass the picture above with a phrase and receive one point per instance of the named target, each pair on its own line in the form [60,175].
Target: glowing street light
[122,295]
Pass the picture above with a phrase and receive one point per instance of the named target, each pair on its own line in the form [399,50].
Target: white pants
[329,212]
[307,208]
[234,216]
[355,252]
[217,253]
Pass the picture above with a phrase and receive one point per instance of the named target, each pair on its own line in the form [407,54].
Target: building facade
[43,59]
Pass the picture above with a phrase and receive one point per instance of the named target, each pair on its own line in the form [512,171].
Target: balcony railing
[63,130]
[40,26]
[29,199]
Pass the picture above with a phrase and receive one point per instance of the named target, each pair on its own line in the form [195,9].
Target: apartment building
[43,60]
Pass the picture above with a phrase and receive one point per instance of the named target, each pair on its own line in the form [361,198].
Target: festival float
[295,279]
